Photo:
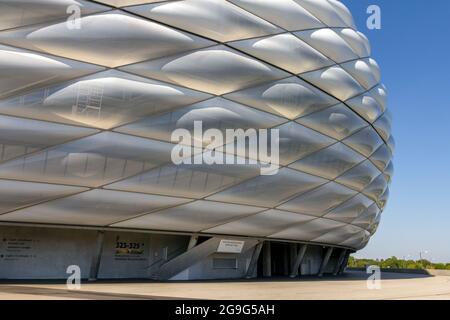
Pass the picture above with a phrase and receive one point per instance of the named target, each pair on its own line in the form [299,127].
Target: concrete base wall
[136,255]
[46,253]
[41,253]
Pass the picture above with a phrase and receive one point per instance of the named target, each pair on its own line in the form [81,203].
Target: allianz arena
[91,92]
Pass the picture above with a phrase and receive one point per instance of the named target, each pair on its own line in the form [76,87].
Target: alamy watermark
[374,19]
[233,147]
[74,279]
[74,20]
[374,280]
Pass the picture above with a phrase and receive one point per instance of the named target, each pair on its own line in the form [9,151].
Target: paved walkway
[351,286]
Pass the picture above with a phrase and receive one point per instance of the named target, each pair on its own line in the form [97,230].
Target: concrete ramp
[187,259]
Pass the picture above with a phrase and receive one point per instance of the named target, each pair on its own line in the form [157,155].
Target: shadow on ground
[347,276]
[63,293]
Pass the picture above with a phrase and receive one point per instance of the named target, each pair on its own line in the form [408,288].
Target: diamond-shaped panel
[19,13]
[216,19]
[288,14]
[24,70]
[104,100]
[284,51]
[134,39]
[290,98]
[198,70]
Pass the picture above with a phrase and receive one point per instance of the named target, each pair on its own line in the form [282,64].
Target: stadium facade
[91,93]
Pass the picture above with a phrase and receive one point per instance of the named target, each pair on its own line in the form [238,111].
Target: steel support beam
[325,260]
[96,256]
[254,260]
[298,260]
[339,261]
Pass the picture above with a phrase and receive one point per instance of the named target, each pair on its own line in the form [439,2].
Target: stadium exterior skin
[87,112]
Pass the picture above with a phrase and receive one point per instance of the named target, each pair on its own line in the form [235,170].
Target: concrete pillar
[344,263]
[165,254]
[339,261]
[191,257]
[192,242]
[185,260]
[254,260]
[325,260]
[267,260]
[298,260]
[96,256]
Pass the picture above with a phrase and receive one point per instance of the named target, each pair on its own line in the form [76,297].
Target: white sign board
[230,246]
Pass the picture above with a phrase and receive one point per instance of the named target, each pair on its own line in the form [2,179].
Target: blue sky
[413,51]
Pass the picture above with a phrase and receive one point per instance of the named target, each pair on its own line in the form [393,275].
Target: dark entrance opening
[280,258]
[274,260]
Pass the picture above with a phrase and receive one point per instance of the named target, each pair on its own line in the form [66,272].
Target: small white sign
[230,246]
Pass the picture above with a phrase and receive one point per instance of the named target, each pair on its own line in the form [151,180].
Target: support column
[189,258]
[344,263]
[254,260]
[96,256]
[267,260]
[298,261]
[192,242]
[339,262]
[325,260]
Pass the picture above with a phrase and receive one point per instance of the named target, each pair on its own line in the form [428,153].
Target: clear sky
[413,51]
